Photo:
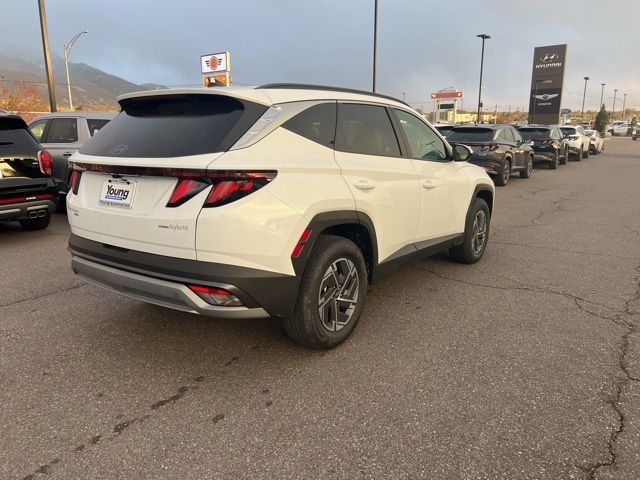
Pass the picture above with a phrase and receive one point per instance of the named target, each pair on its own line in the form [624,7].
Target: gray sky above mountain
[423,46]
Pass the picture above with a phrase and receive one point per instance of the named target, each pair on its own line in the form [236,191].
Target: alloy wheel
[479,232]
[338,295]
[506,172]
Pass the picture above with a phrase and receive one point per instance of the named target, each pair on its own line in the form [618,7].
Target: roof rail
[306,86]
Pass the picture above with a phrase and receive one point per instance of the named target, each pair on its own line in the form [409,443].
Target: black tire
[466,251]
[528,168]
[578,156]
[39,223]
[565,158]
[306,326]
[502,175]
[585,153]
[632,138]
[553,165]
[595,151]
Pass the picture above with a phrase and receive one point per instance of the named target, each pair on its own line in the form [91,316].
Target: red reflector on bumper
[216,296]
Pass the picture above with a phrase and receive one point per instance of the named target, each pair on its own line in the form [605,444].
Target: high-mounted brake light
[45,162]
[216,296]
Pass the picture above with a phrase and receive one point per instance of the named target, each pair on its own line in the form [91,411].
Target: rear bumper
[490,164]
[26,210]
[163,280]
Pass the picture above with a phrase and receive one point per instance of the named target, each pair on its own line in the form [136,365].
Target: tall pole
[484,37]
[601,95]
[624,103]
[47,56]
[613,110]
[375,42]
[584,94]
[67,49]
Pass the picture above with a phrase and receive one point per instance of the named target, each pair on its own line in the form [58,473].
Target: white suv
[577,142]
[281,200]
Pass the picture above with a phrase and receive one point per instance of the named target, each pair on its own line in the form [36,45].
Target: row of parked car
[34,162]
[506,149]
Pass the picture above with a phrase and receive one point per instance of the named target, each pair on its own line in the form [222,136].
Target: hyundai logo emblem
[119,149]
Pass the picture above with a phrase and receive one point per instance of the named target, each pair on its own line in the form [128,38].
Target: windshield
[535,133]
[470,134]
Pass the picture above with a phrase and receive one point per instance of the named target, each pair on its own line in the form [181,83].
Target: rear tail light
[74,181]
[226,186]
[216,296]
[45,162]
[184,190]
[491,147]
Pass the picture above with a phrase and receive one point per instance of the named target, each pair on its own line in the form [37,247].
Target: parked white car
[283,200]
[618,128]
[578,142]
[596,142]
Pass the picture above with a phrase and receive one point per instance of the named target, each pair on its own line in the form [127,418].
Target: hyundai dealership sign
[546,84]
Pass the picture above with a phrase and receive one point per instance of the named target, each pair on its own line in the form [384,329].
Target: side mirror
[461,153]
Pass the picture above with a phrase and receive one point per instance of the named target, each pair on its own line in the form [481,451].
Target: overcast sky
[424,45]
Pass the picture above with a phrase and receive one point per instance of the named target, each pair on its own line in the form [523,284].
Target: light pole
[67,49]
[613,110]
[584,94]
[47,55]
[404,97]
[484,37]
[624,103]
[375,42]
[535,95]
[601,95]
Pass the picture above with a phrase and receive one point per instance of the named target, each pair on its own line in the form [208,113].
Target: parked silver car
[62,134]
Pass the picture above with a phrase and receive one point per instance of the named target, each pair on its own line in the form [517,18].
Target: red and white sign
[447,95]
[214,63]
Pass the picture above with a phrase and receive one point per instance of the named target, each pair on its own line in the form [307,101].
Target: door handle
[430,184]
[364,186]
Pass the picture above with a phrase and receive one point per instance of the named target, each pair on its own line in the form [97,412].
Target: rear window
[15,137]
[568,131]
[174,126]
[467,134]
[535,133]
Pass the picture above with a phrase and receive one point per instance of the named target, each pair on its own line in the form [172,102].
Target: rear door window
[317,123]
[174,126]
[366,129]
[62,130]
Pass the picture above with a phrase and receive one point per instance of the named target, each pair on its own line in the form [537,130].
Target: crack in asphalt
[37,297]
[522,288]
[622,319]
[605,255]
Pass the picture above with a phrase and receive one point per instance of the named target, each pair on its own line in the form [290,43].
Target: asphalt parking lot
[526,365]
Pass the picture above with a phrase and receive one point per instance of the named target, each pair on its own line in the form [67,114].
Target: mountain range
[89,85]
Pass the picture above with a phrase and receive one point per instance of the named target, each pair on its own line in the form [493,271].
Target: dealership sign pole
[547,80]
[451,97]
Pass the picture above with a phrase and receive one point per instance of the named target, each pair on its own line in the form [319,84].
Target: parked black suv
[548,144]
[27,192]
[499,149]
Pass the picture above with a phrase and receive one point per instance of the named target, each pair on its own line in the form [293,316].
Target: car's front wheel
[476,234]
[332,294]
[39,223]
